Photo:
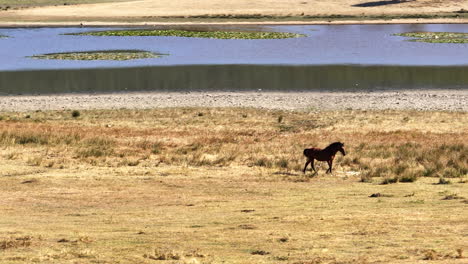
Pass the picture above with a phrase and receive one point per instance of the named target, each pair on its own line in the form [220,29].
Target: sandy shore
[445,100]
[150,12]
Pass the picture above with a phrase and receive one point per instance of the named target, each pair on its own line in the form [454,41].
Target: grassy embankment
[134,186]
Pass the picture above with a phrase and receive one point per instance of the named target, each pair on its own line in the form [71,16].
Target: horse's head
[340,147]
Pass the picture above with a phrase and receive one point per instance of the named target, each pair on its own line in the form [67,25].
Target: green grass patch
[118,55]
[436,37]
[195,34]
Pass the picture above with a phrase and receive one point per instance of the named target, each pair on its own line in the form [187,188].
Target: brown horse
[327,154]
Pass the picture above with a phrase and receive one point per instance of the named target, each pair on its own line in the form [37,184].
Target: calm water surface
[332,45]
[335,57]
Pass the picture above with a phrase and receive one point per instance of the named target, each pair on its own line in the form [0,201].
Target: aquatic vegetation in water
[436,37]
[119,55]
[196,34]
[3,36]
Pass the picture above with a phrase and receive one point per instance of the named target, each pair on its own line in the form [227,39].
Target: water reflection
[334,57]
[233,78]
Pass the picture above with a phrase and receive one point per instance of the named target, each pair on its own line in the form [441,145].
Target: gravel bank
[445,100]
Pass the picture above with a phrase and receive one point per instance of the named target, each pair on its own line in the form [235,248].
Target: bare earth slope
[149,10]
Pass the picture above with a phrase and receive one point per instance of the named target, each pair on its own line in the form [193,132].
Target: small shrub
[389,180]
[163,255]
[356,161]
[262,162]
[247,227]
[189,148]
[156,148]
[17,242]
[378,172]
[283,239]
[11,156]
[283,163]
[130,163]
[452,196]
[31,139]
[409,177]
[286,128]
[259,252]
[75,113]
[360,147]
[365,177]
[429,172]
[281,258]
[452,173]
[280,119]
[417,202]
[94,152]
[400,168]
[364,166]
[442,180]
[430,255]
[158,254]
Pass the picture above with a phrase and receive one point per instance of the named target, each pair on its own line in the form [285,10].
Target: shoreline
[420,100]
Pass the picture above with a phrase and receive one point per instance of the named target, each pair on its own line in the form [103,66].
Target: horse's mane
[334,145]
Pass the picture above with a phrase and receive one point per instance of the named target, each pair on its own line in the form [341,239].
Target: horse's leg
[330,163]
[312,163]
[307,163]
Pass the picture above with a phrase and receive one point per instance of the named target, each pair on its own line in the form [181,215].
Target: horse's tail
[307,152]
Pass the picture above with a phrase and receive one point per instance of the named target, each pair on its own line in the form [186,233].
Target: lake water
[330,57]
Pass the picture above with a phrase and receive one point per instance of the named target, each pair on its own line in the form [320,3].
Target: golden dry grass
[198,185]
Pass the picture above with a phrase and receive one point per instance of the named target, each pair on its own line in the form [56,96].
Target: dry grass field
[224,185]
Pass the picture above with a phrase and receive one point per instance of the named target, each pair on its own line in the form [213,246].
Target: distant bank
[148,12]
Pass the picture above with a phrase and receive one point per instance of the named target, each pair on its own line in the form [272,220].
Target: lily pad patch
[436,37]
[118,55]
